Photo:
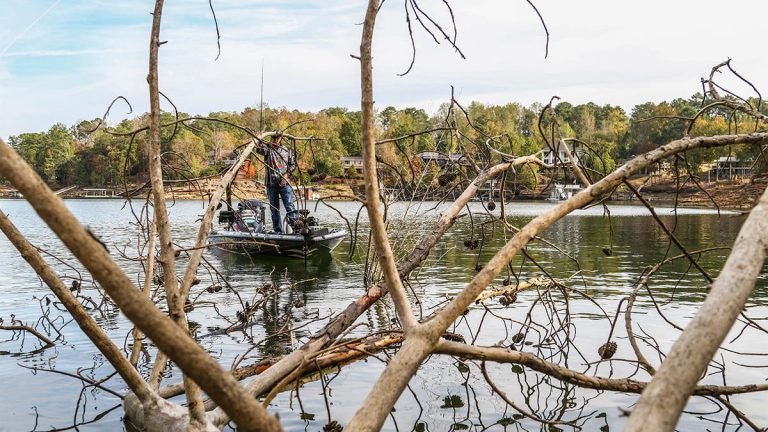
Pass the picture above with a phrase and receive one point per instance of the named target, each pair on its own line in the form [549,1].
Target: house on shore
[352,161]
[729,168]
[357,162]
[557,155]
[96,193]
[442,159]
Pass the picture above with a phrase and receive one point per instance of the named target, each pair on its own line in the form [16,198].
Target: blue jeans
[274,194]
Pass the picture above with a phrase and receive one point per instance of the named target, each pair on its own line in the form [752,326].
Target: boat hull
[243,242]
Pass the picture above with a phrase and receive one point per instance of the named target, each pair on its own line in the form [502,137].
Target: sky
[66,60]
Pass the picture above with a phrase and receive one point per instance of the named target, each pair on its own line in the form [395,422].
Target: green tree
[349,133]
[190,153]
[45,152]
[652,126]
[397,123]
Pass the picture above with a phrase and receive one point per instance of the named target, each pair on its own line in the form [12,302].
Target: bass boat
[243,231]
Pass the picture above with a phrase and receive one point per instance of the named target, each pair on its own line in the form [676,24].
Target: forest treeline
[90,154]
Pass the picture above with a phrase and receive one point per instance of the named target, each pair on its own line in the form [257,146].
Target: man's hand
[283,181]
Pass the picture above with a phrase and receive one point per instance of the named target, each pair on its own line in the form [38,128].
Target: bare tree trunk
[372,199]
[423,338]
[205,225]
[197,252]
[575,164]
[86,323]
[167,336]
[665,397]
[337,326]
[167,255]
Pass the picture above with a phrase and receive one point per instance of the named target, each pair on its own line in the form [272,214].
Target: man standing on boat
[279,162]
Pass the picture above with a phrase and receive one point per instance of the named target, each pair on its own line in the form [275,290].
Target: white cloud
[602,51]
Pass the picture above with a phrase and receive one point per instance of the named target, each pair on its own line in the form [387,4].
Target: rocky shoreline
[727,195]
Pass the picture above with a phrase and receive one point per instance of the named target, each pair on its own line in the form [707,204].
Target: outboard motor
[251,215]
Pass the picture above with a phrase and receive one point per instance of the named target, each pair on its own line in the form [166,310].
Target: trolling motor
[303,222]
[303,226]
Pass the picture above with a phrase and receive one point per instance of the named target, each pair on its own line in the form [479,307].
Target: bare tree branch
[662,402]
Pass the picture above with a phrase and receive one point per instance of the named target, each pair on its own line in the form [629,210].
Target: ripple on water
[446,393]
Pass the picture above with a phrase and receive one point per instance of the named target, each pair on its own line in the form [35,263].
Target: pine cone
[607,350]
[508,299]
[518,337]
[471,244]
[333,426]
[213,288]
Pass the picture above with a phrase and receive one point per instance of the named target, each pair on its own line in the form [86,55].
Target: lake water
[446,394]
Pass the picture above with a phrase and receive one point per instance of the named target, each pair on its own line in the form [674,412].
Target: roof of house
[725,159]
[571,146]
[432,155]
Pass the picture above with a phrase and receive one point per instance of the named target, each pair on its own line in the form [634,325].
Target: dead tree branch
[661,404]
[171,339]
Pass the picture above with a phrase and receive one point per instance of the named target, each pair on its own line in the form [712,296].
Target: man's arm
[261,148]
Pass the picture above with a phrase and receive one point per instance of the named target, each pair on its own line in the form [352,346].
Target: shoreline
[738,196]
[656,202]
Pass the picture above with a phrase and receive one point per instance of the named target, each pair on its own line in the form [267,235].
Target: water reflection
[445,395]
